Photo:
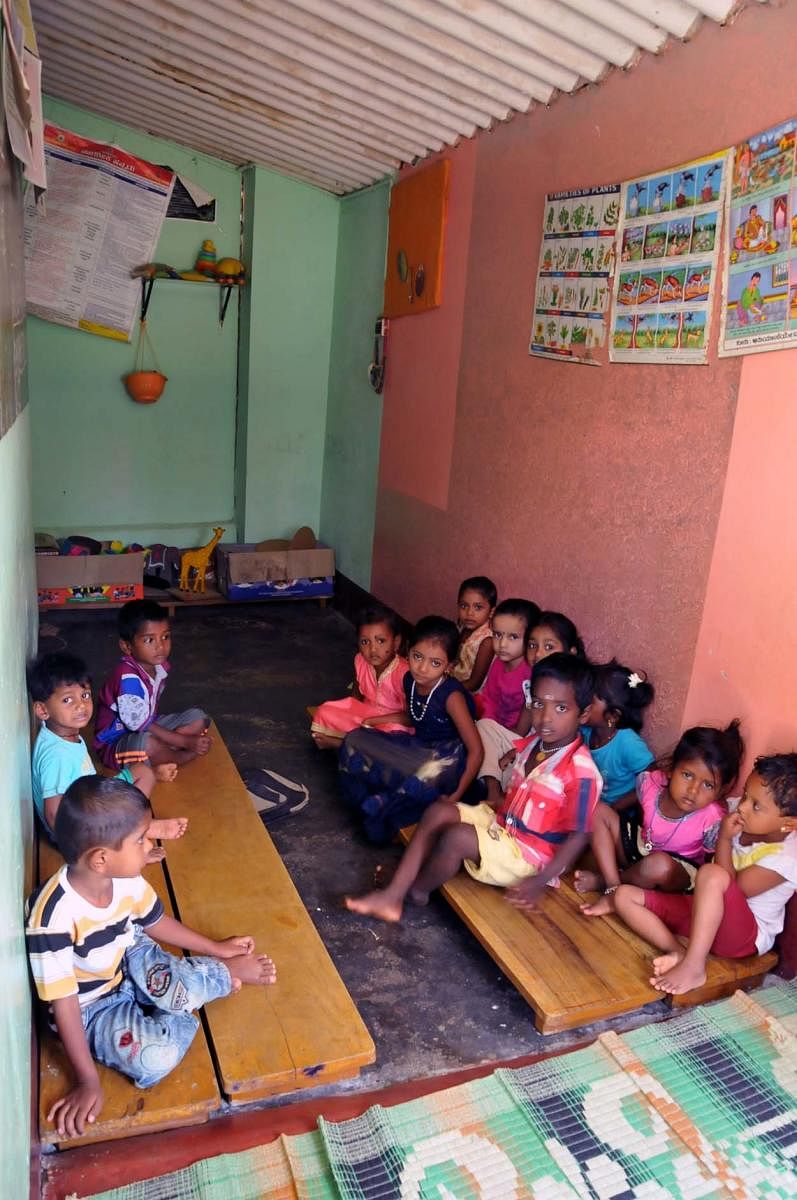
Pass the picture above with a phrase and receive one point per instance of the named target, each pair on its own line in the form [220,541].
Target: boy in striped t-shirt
[540,827]
[98,969]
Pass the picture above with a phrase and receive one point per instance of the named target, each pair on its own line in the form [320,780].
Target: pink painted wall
[596,491]
[420,405]
[747,646]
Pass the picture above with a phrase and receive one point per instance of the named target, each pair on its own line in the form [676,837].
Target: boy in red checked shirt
[540,828]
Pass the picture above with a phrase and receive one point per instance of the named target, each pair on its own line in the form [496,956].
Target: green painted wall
[103,465]
[354,411]
[17,639]
[290,239]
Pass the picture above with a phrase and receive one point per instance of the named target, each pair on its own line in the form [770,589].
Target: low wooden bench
[571,969]
[227,878]
[185,1097]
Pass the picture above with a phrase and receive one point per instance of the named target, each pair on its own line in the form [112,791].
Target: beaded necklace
[418,716]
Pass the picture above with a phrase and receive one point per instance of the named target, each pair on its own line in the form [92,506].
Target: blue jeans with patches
[144,1028]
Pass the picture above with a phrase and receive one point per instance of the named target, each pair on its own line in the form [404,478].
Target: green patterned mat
[700,1107]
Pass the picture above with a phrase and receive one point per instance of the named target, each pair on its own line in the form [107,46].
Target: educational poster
[667,255]
[102,218]
[759,310]
[574,275]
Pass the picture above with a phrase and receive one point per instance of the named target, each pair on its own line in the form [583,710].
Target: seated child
[392,778]
[88,933]
[503,696]
[475,602]
[377,698]
[550,633]
[681,808]
[128,728]
[740,899]
[542,825]
[60,688]
[615,721]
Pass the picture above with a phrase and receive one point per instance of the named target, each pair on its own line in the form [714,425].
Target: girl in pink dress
[661,843]
[378,699]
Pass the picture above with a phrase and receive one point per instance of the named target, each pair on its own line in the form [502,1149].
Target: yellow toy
[197,560]
[230,270]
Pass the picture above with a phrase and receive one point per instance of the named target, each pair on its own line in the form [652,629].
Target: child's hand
[730,825]
[166,772]
[233,946]
[203,742]
[507,759]
[527,894]
[73,1111]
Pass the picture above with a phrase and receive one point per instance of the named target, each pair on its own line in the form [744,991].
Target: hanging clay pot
[145,387]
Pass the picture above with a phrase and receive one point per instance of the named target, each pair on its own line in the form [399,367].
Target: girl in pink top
[377,698]
[660,844]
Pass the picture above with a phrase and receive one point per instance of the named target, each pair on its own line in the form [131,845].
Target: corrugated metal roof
[339,92]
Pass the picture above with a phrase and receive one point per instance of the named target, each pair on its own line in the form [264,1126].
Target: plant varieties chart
[667,252]
[574,275]
[759,310]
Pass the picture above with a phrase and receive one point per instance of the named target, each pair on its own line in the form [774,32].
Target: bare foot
[251,968]
[666,962]
[202,743]
[588,881]
[682,977]
[325,742]
[419,899]
[167,831]
[375,904]
[601,908]
[156,854]
[166,772]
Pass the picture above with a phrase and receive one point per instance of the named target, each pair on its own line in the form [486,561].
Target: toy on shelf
[198,561]
[230,270]
[227,273]
[206,259]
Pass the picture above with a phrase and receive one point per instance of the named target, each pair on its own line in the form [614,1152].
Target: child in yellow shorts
[540,827]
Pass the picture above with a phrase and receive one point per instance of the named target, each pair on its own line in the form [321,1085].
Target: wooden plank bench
[185,1097]
[573,970]
[227,878]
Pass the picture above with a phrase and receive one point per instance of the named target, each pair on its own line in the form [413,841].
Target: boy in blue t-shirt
[60,688]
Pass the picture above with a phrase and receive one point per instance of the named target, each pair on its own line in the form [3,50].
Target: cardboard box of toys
[88,578]
[276,568]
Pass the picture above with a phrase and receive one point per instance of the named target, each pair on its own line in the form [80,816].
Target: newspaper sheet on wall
[759,310]
[574,274]
[667,254]
[103,217]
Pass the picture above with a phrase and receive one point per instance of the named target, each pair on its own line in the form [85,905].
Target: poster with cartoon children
[668,245]
[761,243]
[574,274]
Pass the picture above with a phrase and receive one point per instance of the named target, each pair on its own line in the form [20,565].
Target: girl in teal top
[612,731]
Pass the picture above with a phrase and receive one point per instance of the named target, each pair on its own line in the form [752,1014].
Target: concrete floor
[432,999]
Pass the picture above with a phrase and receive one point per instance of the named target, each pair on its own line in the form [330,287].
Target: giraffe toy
[197,560]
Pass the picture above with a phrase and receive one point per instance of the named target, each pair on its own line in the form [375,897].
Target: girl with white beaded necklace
[392,778]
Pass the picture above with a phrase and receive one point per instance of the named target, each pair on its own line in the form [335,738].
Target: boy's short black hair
[778,773]
[437,629]
[568,668]
[58,669]
[481,584]
[95,811]
[135,614]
